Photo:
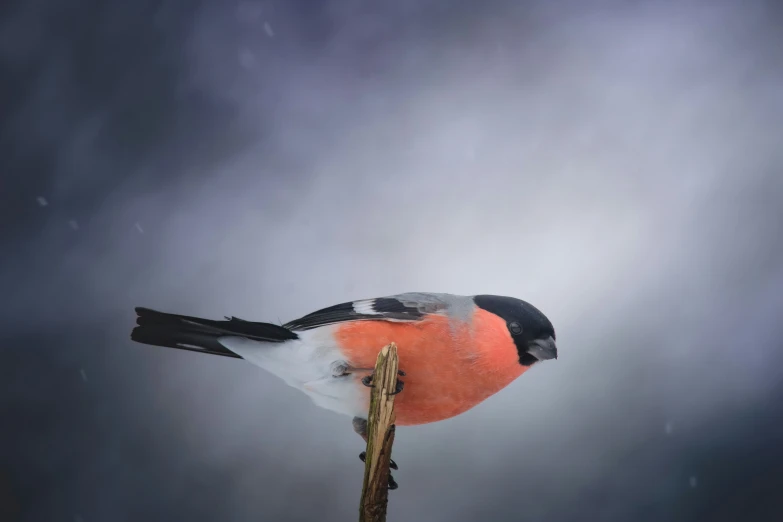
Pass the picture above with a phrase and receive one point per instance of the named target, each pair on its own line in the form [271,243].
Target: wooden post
[380,437]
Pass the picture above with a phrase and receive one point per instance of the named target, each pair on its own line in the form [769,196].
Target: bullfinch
[454,351]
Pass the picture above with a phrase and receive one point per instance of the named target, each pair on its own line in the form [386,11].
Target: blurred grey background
[616,163]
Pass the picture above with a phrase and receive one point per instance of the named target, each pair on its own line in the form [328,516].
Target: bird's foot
[342,368]
[393,465]
[367,381]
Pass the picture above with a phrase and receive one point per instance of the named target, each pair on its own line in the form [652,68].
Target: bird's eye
[515,328]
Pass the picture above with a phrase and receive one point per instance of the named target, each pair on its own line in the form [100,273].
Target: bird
[454,351]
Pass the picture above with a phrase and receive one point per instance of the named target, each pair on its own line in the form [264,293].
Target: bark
[380,437]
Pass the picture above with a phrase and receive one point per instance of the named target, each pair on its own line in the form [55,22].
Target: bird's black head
[532,332]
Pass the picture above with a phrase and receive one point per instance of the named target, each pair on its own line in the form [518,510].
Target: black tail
[201,335]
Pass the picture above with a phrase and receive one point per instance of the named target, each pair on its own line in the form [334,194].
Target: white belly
[306,364]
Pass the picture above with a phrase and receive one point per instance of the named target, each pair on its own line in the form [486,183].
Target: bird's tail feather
[201,335]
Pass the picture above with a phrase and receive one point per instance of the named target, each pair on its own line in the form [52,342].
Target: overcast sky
[617,164]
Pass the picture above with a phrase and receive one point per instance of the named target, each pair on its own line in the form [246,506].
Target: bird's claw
[367,381]
[392,464]
[398,387]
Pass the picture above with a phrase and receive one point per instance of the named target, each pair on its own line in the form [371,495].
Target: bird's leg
[360,427]
[342,368]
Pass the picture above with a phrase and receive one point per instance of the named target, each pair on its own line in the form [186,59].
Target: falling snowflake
[138,227]
[268,30]
[669,428]
[693,482]
[73,224]
[42,201]
[83,374]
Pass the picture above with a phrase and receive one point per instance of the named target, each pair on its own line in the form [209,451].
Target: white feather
[306,364]
[364,307]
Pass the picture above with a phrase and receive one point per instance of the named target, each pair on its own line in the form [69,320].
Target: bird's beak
[543,349]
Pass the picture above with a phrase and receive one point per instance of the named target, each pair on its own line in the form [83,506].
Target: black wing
[379,309]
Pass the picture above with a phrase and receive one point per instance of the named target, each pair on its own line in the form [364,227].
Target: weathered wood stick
[380,437]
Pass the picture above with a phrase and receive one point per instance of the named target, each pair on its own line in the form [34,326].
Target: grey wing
[413,306]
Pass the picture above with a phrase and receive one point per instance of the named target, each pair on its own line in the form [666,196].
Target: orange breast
[449,368]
